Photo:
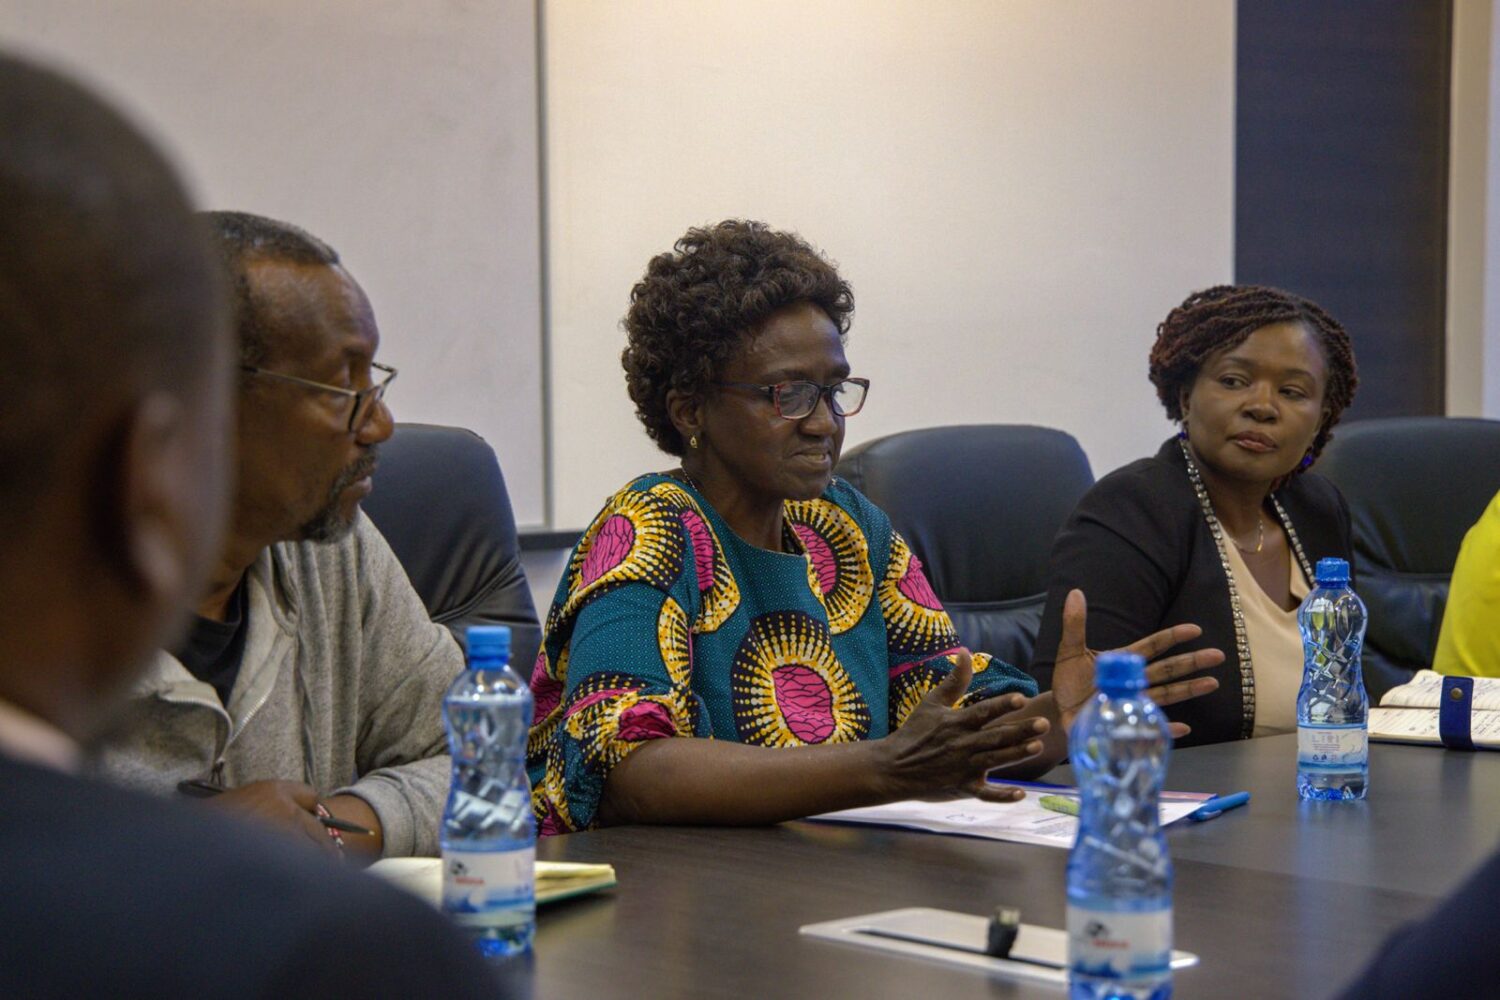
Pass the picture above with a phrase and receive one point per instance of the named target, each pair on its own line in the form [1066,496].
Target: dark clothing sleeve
[1450,954]
[390,947]
[1118,548]
[109,893]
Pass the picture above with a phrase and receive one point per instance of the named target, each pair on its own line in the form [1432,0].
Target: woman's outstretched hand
[941,748]
[1168,679]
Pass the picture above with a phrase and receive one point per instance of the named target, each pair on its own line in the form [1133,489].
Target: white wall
[404,133]
[1018,192]
[1469,171]
[1490,329]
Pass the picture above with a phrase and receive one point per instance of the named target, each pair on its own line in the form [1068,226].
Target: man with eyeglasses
[308,688]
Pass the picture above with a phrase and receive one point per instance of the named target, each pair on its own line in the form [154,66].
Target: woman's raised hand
[1073,675]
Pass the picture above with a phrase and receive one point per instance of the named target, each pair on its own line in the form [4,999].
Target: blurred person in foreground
[115,368]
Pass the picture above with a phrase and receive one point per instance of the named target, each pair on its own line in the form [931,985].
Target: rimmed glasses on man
[364,399]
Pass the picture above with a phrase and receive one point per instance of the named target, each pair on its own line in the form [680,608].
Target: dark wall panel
[1341,177]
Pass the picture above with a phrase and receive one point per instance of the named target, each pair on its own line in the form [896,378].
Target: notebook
[1409,713]
[555,880]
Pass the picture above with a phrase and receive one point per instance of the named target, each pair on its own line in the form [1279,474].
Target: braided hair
[1220,318]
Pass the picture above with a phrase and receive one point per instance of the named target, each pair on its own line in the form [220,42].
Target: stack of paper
[1029,821]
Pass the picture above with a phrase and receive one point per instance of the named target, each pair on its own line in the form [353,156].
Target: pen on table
[1222,803]
[200,789]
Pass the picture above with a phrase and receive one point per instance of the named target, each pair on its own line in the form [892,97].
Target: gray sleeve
[407,663]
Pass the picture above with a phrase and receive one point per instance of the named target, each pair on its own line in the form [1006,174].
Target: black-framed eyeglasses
[364,399]
[795,400]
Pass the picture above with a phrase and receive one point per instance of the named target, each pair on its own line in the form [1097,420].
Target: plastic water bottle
[1333,710]
[1119,874]
[488,833]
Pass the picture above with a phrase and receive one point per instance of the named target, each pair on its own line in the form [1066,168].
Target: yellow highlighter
[1060,804]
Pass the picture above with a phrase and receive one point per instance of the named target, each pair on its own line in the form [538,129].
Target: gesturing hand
[1073,675]
[288,805]
[941,748]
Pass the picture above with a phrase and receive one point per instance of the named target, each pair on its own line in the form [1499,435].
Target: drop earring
[693,441]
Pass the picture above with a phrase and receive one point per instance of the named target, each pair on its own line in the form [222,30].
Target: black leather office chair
[979,505]
[1415,486]
[440,501]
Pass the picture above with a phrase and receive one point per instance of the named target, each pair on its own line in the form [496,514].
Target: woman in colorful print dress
[757,607]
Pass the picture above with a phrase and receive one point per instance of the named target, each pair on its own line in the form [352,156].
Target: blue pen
[1213,807]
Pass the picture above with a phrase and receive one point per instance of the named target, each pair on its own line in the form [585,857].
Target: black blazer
[1138,547]
[105,892]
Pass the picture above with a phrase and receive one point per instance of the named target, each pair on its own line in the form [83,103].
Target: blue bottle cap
[1118,673]
[1333,571]
[488,642]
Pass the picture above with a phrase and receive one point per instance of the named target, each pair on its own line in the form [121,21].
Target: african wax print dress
[666,623]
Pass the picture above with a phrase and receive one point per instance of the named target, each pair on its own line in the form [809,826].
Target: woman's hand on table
[942,748]
[1169,678]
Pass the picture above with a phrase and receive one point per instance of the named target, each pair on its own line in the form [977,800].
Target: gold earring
[693,441]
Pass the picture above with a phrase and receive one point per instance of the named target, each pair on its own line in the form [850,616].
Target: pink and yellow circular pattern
[915,621]
[788,687]
[718,594]
[636,538]
[911,682]
[838,557]
[675,639]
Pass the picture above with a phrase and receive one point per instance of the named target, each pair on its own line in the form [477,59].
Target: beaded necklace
[1241,640]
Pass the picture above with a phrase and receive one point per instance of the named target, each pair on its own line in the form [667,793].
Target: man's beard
[330,523]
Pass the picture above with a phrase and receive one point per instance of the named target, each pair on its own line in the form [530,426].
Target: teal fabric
[666,623]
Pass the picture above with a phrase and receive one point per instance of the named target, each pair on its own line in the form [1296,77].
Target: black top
[104,892]
[1140,549]
[212,650]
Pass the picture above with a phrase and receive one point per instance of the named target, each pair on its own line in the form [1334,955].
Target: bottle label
[482,881]
[1114,944]
[1332,748]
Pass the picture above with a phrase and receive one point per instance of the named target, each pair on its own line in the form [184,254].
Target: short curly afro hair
[1222,317]
[697,305]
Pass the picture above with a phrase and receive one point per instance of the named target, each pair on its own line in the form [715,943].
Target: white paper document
[1023,822]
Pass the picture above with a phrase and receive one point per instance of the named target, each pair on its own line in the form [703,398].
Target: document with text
[1037,819]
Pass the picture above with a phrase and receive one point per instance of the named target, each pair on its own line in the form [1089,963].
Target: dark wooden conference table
[1279,898]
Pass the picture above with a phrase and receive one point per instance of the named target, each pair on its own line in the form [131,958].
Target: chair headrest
[441,503]
[1415,486]
[980,504]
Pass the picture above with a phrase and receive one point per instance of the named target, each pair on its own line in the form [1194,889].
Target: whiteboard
[402,132]
[1018,191]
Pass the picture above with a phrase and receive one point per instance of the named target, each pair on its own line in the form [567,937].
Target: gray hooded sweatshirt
[341,687]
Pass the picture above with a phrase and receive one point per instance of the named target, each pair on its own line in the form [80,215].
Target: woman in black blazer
[1223,526]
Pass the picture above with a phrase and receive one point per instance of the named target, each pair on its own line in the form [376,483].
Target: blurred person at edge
[114,466]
